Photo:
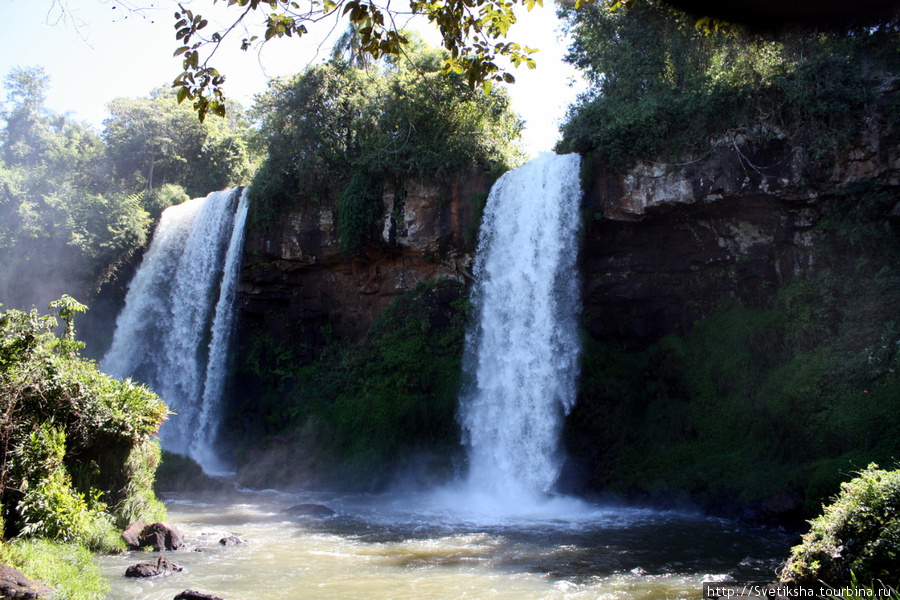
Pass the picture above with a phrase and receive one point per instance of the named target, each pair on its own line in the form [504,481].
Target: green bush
[857,536]
[50,508]
[78,447]
[359,208]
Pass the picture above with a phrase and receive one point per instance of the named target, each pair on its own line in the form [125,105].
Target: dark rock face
[645,279]
[296,281]
[14,584]
[665,244]
[161,567]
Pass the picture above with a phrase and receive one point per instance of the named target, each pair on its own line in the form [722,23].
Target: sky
[98,50]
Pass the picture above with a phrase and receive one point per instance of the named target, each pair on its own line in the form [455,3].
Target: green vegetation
[68,568]
[335,134]
[472,31]
[354,414]
[75,206]
[856,538]
[78,447]
[661,89]
[754,402]
[154,141]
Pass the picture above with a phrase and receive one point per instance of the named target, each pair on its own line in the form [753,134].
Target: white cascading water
[175,329]
[522,353]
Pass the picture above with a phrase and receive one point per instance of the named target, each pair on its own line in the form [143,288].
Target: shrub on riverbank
[67,568]
[77,447]
[856,538]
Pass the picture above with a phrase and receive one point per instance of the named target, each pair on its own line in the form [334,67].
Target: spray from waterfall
[522,351]
[175,329]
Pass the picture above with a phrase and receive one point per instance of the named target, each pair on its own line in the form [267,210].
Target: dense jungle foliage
[75,204]
[335,133]
[359,414]
[758,402]
[78,452]
[664,90]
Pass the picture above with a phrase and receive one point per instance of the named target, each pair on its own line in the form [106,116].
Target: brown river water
[445,546]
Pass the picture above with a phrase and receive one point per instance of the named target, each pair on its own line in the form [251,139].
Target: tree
[153,141]
[335,131]
[63,224]
[473,33]
[661,88]
[22,140]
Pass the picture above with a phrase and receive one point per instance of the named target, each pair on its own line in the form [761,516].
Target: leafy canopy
[336,131]
[473,33]
[663,85]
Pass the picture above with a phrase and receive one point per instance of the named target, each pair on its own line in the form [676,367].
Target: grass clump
[66,567]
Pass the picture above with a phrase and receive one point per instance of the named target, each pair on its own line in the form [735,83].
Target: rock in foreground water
[192,595]
[161,567]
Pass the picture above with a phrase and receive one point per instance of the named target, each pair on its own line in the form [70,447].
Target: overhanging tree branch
[473,31]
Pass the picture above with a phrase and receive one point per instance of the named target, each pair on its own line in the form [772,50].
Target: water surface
[427,546]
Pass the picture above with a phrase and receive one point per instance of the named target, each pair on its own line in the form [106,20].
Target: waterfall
[522,350]
[175,329]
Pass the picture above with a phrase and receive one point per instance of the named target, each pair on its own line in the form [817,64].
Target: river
[425,546]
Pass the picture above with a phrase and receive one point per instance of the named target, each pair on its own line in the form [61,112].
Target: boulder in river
[192,595]
[160,536]
[231,540]
[132,535]
[161,567]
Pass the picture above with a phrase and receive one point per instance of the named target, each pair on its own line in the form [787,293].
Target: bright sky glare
[98,50]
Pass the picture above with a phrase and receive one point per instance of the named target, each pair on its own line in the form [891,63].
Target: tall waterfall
[175,329]
[522,352]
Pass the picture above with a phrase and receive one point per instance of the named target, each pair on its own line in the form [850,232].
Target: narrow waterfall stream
[175,329]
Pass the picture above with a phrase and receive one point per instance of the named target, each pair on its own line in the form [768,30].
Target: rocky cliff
[299,288]
[747,226]
[664,244]
[663,247]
